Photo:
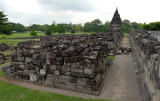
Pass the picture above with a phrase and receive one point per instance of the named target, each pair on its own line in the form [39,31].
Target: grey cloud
[73,5]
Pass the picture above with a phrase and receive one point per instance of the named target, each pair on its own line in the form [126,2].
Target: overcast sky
[79,11]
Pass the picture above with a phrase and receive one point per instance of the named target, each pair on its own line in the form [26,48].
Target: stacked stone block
[146,53]
[76,62]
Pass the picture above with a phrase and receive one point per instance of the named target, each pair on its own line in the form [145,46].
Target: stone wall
[75,62]
[146,53]
[3,58]
[5,47]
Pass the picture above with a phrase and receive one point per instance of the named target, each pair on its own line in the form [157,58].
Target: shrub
[73,31]
[48,31]
[33,33]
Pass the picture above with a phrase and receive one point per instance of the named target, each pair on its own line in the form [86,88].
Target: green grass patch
[126,34]
[1,74]
[14,42]
[27,34]
[7,63]
[11,92]
[20,35]
[7,52]
[111,58]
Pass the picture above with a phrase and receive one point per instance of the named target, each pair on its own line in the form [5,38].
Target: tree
[48,31]
[87,27]
[20,28]
[5,28]
[126,26]
[96,25]
[33,33]
[43,28]
[155,26]
[78,28]
[136,26]
[53,28]
[35,27]
[106,27]
[73,31]
[61,28]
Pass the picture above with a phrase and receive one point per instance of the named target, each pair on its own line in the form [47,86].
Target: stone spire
[116,18]
[116,22]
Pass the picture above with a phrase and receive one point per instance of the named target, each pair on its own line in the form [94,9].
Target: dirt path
[120,81]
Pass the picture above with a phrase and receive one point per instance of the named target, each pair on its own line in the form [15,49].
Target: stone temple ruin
[75,62]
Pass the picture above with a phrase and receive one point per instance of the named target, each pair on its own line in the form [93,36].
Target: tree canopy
[5,28]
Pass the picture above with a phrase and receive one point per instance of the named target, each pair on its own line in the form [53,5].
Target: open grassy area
[20,35]
[11,92]
[14,42]
[111,58]
[1,74]
[27,34]
[126,34]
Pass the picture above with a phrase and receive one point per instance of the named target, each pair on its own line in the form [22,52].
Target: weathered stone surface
[43,72]
[66,61]
[56,72]
[27,59]
[33,77]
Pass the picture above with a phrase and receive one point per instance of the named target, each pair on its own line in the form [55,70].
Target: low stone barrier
[146,53]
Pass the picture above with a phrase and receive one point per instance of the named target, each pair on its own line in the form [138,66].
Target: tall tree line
[95,26]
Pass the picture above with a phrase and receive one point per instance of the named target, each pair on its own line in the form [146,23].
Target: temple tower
[116,23]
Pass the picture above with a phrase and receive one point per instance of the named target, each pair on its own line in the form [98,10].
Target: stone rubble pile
[3,58]
[5,47]
[146,53]
[76,62]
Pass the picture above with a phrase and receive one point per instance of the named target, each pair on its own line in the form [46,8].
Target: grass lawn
[20,35]
[126,34]
[14,42]
[7,52]
[7,63]
[11,92]
[1,74]
[111,58]
[27,34]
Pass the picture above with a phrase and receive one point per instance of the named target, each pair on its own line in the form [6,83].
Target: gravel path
[120,82]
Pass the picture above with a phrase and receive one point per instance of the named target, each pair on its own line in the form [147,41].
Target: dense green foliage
[61,28]
[73,31]
[154,26]
[33,33]
[48,31]
[5,28]
[127,26]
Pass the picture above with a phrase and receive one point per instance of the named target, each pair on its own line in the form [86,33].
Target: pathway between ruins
[120,82]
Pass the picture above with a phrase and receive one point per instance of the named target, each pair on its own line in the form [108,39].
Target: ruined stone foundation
[75,62]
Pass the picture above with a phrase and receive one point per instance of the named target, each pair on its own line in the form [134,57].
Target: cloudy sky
[78,11]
